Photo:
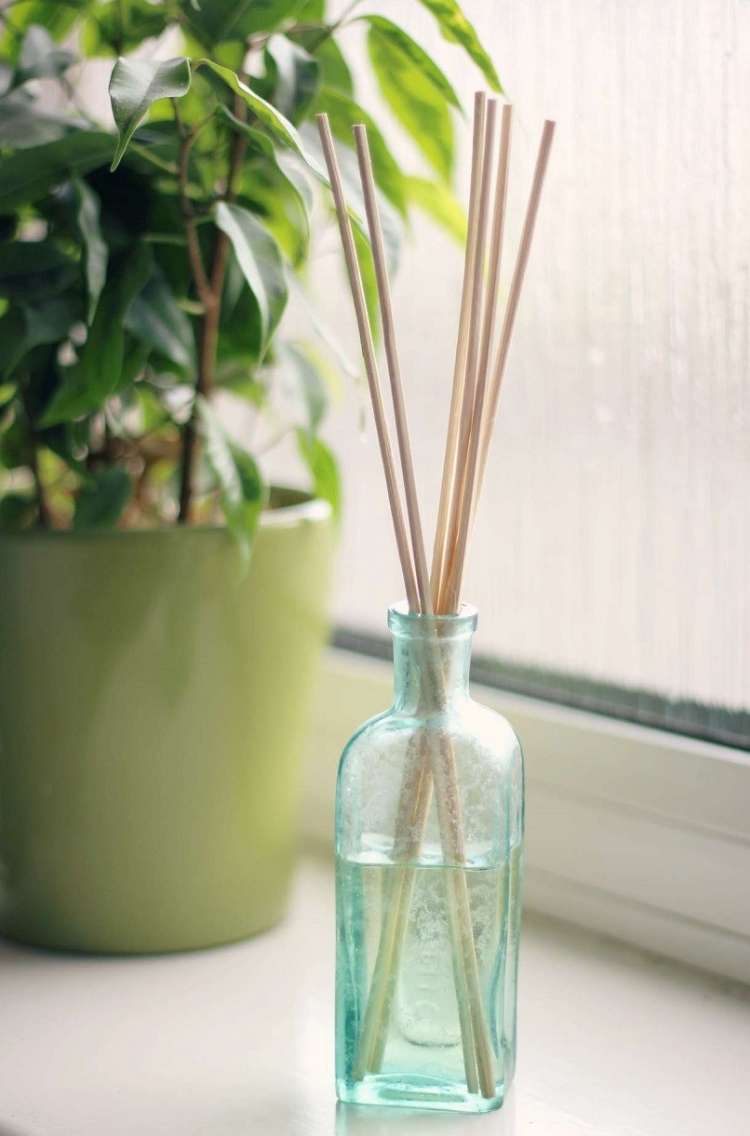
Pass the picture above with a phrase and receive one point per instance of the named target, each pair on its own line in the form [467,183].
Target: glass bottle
[429,828]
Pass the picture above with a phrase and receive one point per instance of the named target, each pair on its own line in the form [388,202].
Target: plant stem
[43,515]
[43,518]
[210,292]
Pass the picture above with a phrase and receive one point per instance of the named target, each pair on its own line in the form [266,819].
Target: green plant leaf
[312,11]
[457,29]
[369,280]
[102,498]
[95,251]
[57,16]
[156,319]
[323,469]
[17,511]
[15,446]
[440,203]
[7,393]
[416,90]
[334,69]
[40,57]
[295,76]
[287,162]
[35,270]
[260,260]
[416,102]
[113,29]
[23,124]
[24,328]
[386,34]
[30,174]
[137,83]
[269,118]
[301,370]
[343,113]
[97,372]
[215,21]
[241,490]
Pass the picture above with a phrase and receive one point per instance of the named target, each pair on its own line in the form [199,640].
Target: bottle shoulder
[470,725]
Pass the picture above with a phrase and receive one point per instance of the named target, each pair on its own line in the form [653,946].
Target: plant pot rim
[301,507]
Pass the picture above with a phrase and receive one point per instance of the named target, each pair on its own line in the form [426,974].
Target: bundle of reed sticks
[479,366]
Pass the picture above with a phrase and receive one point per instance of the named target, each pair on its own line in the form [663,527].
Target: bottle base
[391,1090]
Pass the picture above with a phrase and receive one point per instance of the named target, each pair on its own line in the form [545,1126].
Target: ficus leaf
[53,15]
[302,374]
[369,282]
[95,251]
[295,75]
[416,90]
[23,124]
[35,270]
[335,71]
[260,260]
[30,174]
[286,161]
[236,475]
[323,468]
[25,327]
[390,34]
[97,372]
[457,29]
[268,116]
[40,57]
[17,511]
[215,21]
[440,203]
[137,83]
[102,498]
[155,318]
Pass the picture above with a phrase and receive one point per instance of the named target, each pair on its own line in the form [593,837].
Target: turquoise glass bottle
[429,830]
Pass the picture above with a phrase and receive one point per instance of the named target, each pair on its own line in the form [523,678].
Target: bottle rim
[405,622]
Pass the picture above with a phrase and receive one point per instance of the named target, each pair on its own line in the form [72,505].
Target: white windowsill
[238,1041]
[633,832]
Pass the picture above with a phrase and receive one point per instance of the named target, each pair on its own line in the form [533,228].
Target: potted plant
[161,606]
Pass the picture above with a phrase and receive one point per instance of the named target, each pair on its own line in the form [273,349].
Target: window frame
[634,832]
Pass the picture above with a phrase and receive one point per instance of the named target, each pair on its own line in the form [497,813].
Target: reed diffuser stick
[394,367]
[472,357]
[463,505]
[459,365]
[514,295]
[475,1034]
[371,366]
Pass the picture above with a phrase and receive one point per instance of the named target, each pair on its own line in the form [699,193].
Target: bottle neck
[430,668]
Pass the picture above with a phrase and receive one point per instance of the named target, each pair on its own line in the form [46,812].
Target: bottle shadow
[369,1120]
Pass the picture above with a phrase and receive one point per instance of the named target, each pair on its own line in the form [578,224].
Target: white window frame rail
[633,832]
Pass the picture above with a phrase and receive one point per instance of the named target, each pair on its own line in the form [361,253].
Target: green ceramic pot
[153,704]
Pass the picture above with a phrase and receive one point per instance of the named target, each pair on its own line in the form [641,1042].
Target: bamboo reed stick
[459,365]
[475,1036]
[464,511]
[514,295]
[368,354]
[394,367]
[445,601]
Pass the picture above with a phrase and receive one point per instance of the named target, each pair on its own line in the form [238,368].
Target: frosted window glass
[613,537]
